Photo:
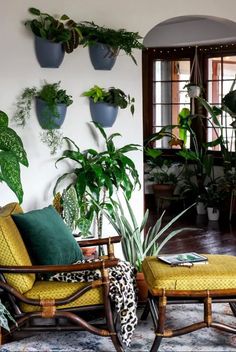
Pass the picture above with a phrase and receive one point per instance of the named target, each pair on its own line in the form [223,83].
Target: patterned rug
[202,340]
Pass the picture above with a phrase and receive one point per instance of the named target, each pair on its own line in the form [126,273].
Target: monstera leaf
[10,173]
[3,119]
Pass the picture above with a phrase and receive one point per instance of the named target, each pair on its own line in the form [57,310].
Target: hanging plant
[51,106]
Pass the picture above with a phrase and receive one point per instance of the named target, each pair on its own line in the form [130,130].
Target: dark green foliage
[12,153]
[96,175]
[52,94]
[229,101]
[116,40]
[55,30]
[114,96]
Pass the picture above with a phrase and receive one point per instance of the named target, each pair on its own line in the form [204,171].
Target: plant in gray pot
[51,106]
[53,37]
[104,104]
[105,44]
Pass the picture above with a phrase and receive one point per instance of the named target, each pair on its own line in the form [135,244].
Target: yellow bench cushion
[12,249]
[56,290]
[219,273]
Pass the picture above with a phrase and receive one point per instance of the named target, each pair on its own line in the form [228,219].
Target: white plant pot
[201,208]
[194,91]
[213,214]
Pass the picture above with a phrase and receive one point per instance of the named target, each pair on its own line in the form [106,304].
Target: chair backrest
[12,249]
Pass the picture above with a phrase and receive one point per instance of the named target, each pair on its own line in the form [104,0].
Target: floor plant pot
[101,57]
[103,113]
[142,288]
[46,118]
[213,214]
[201,208]
[48,54]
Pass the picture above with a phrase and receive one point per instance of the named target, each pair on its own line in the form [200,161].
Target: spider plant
[135,244]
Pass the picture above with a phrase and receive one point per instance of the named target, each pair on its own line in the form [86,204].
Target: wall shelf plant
[106,43]
[104,104]
[53,37]
[51,107]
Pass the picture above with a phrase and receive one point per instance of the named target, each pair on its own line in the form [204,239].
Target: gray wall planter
[48,54]
[101,57]
[103,113]
[45,117]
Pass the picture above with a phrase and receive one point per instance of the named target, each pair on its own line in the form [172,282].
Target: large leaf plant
[12,154]
[96,175]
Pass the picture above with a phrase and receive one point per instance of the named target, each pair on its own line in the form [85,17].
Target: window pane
[229,67]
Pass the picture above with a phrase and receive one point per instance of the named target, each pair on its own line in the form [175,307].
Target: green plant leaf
[3,119]
[11,142]
[34,11]
[10,173]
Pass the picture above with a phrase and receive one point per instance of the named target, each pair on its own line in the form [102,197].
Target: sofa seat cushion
[56,290]
[48,239]
[12,249]
[219,273]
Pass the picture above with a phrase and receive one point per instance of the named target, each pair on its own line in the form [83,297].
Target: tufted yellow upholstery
[219,274]
[56,290]
[12,249]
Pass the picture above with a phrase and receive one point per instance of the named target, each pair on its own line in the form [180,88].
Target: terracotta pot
[89,252]
[142,288]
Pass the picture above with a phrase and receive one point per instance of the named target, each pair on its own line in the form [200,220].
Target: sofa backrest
[12,249]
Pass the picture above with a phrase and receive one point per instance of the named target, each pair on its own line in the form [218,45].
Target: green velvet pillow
[47,238]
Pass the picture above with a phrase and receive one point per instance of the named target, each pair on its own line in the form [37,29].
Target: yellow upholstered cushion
[219,274]
[12,249]
[56,290]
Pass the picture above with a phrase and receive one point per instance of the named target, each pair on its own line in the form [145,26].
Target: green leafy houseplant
[116,40]
[113,96]
[135,245]
[12,154]
[5,315]
[95,175]
[62,30]
[53,96]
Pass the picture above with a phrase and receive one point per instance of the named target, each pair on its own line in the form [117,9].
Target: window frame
[150,55]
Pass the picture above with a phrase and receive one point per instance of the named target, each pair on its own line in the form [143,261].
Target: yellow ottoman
[214,282]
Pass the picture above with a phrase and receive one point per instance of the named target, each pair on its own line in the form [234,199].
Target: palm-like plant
[135,244]
[97,174]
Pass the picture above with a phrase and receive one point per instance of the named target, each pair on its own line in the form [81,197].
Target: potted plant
[104,104]
[214,197]
[105,44]
[96,175]
[193,89]
[5,315]
[135,244]
[51,106]
[12,154]
[53,37]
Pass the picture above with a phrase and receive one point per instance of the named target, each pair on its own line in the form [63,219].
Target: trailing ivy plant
[52,94]
[116,40]
[12,154]
[62,30]
[95,175]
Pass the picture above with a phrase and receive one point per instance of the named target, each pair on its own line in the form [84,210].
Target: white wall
[19,69]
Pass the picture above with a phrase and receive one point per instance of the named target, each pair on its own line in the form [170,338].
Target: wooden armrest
[99,241]
[108,241]
[59,268]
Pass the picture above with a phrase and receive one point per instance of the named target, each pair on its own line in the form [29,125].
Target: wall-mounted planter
[101,57]
[48,54]
[103,113]
[45,117]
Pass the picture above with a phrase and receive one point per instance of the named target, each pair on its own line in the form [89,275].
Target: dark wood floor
[210,236]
